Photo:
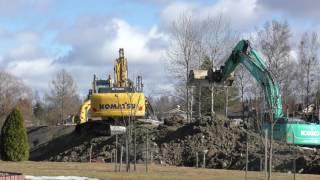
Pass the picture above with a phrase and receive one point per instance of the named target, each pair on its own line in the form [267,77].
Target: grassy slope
[105,171]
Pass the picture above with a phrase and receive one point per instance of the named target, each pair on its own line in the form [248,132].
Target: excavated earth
[173,143]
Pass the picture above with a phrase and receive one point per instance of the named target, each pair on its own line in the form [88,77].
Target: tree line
[198,43]
[51,108]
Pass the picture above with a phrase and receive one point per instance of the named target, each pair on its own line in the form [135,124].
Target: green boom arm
[253,62]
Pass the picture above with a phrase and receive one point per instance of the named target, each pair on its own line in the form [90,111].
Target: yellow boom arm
[121,70]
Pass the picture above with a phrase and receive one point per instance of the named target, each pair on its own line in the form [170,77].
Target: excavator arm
[252,61]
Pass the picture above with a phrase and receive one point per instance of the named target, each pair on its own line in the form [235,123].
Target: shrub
[14,143]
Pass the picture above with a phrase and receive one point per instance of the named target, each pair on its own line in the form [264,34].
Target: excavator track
[99,128]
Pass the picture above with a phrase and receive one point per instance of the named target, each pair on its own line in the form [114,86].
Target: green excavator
[287,129]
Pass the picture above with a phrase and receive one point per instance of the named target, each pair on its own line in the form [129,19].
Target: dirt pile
[219,140]
[175,143]
[65,143]
[224,145]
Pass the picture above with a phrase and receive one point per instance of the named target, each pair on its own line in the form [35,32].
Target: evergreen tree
[14,143]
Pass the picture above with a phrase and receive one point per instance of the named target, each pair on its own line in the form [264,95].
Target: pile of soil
[224,145]
[176,143]
[66,143]
[180,147]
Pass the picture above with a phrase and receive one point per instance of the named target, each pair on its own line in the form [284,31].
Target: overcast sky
[40,37]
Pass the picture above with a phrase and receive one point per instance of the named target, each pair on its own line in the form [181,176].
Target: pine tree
[14,143]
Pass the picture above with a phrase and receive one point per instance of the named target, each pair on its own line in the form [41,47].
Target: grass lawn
[106,171]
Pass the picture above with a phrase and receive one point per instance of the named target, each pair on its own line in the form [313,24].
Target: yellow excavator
[110,106]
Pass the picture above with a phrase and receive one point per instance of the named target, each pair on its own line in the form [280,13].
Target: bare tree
[195,40]
[274,44]
[308,63]
[273,40]
[218,43]
[14,93]
[242,83]
[185,33]
[63,99]
[218,39]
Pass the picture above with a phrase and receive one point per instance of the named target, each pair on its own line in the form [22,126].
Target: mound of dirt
[63,143]
[221,142]
[175,143]
[224,146]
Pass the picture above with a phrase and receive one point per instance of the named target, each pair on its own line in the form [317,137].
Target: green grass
[106,171]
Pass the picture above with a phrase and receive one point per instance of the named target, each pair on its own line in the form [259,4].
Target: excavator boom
[253,62]
[121,70]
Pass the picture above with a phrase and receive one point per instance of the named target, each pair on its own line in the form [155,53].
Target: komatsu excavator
[289,130]
[110,106]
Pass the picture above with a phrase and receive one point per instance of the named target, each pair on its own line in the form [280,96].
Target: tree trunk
[135,148]
[226,102]
[212,100]
[247,154]
[121,155]
[266,154]
[147,150]
[188,110]
[116,154]
[191,105]
[199,101]
[127,152]
[270,150]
